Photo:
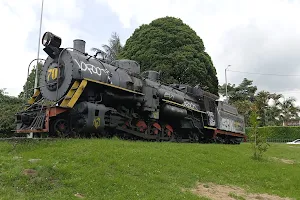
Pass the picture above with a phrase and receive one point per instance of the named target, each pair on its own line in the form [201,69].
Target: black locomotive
[82,95]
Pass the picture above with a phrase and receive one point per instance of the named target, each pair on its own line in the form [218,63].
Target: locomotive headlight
[49,39]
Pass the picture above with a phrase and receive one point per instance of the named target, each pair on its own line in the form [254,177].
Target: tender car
[294,142]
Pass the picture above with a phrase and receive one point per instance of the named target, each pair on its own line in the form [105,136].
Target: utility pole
[226,82]
[30,135]
[38,53]
[265,112]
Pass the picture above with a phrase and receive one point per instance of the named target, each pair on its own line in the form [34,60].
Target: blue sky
[260,36]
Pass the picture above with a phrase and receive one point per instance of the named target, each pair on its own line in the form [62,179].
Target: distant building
[293,122]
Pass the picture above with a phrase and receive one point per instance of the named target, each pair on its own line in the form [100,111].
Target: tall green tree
[111,50]
[273,116]
[244,108]
[289,110]
[245,91]
[28,87]
[268,104]
[262,100]
[270,110]
[8,107]
[242,96]
[171,46]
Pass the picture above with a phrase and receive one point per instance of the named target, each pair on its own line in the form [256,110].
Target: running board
[73,94]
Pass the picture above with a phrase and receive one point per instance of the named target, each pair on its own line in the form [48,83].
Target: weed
[235,196]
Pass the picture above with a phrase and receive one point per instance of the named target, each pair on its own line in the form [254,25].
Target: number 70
[53,72]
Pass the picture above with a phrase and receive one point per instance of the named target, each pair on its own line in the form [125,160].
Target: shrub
[279,132]
[258,138]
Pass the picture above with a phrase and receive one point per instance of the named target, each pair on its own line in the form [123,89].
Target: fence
[273,140]
[280,134]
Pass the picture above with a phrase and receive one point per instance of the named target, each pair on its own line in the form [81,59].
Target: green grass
[116,169]
[235,196]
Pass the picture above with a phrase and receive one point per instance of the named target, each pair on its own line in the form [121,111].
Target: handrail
[25,92]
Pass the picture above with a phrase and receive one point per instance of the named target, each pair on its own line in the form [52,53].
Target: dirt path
[217,192]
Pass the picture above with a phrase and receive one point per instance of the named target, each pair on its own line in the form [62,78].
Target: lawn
[116,169]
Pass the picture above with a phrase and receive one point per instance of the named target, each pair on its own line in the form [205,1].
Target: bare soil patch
[224,192]
[29,172]
[34,160]
[79,195]
[284,160]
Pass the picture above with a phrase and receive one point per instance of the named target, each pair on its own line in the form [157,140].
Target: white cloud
[14,33]
[19,21]
[211,19]
[251,35]
[65,10]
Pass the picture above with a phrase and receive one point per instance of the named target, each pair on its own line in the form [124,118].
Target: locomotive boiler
[82,95]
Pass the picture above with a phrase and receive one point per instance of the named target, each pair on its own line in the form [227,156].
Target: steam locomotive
[81,95]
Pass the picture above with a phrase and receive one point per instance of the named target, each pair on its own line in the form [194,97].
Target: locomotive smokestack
[79,45]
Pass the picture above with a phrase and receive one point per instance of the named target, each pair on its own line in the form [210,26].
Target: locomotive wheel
[193,137]
[167,131]
[76,125]
[141,125]
[155,129]
[61,128]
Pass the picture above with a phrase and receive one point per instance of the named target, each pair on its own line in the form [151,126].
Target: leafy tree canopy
[111,50]
[244,91]
[29,84]
[169,45]
[8,107]
[270,110]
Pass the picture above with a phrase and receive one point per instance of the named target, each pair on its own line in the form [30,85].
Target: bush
[9,106]
[279,132]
